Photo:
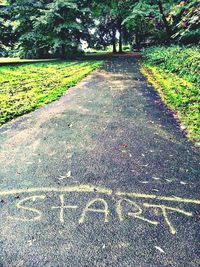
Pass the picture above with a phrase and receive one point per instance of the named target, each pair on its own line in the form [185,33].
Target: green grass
[180,60]
[19,60]
[175,75]
[24,88]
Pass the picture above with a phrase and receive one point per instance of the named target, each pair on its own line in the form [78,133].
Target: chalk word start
[125,204]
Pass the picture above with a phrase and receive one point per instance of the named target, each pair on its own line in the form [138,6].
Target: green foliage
[24,13]
[185,18]
[174,72]
[183,61]
[6,37]
[109,15]
[61,20]
[149,20]
[57,28]
[50,28]
[26,87]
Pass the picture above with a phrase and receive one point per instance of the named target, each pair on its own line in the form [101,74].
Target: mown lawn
[19,60]
[24,88]
[174,72]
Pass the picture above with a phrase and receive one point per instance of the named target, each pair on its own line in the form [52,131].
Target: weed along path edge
[101,177]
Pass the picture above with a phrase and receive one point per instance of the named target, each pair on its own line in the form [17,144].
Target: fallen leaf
[123,146]
[156,190]
[156,178]
[160,249]
[184,183]
[69,174]
[168,180]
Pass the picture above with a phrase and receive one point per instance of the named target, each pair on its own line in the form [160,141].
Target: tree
[60,20]
[56,28]
[185,18]
[32,43]
[148,17]
[7,40]
[106,26]
[164,18]
[101,36]
[120,10]
[50,27]
[113,12]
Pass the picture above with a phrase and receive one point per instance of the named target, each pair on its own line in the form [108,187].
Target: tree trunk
[137,40]
[63,51]
[120,36]
[114,40]
[167,27]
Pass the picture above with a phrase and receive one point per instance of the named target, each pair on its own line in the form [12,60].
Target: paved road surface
[101,177]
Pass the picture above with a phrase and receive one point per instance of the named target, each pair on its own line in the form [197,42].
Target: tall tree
[56,28]
[7,39]
[152,15]
[115,12]
[185,19]
[50,27]
[164,18]
[102,13]
[32,43]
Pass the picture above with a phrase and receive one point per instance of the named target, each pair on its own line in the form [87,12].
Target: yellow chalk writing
[20,205]
[102,190]
[164,198]
[88,208]
[126,204]
[165,215]
[136,214]
[67,189]
[62,207]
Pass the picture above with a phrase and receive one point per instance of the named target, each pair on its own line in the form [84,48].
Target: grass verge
[24,88]
[181,95]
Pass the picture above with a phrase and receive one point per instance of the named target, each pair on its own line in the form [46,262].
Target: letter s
[21,205]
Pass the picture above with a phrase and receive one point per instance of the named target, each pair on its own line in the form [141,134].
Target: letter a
[88,208]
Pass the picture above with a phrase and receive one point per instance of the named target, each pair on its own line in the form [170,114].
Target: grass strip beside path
[180,95]
[24,88]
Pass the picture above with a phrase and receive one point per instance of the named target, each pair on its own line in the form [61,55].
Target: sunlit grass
[180,95]
[26,87]
[174,72]
[180,60]
[19,60]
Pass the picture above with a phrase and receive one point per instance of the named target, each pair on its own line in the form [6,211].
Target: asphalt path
[102,177]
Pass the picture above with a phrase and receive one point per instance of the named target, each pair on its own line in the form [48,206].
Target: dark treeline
[56,28]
